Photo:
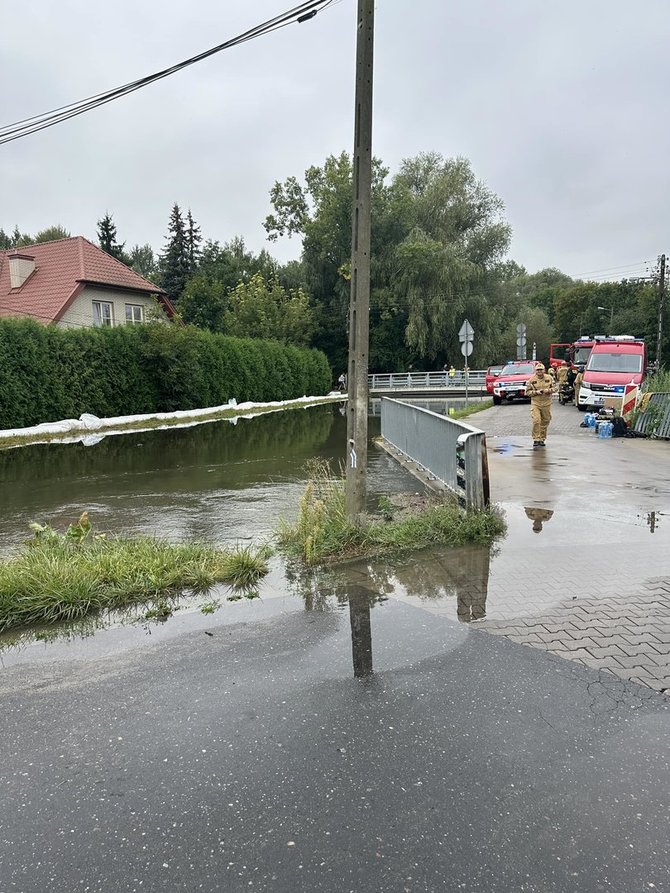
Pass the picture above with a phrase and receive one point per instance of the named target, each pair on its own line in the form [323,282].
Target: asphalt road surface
[252,759]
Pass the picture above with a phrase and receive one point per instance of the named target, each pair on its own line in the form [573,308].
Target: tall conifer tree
[175,265]
[107,238]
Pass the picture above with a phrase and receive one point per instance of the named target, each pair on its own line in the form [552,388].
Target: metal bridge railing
[451,451]
[391,381]
[655,420]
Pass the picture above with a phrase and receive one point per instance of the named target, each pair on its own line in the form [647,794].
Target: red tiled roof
[61,268]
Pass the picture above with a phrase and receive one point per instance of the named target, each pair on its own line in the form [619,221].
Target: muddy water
[221,482]
[583,518]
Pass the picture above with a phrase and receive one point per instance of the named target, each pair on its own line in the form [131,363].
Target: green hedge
[47,373]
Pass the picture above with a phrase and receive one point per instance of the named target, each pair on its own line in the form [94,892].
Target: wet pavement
[252,759]
[361,733]
[585,570]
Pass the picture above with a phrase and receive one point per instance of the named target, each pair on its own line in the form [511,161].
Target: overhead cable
[22,128]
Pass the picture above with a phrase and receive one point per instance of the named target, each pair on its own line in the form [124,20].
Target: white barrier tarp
[119,424]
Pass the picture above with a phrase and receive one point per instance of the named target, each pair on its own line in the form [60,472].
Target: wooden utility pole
[661,300]
[359,303]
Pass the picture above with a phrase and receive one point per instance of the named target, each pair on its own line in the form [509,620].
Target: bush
[47,373]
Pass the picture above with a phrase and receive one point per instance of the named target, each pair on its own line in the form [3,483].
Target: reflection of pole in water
[361,632]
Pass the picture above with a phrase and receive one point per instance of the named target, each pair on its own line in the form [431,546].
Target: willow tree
[437,238]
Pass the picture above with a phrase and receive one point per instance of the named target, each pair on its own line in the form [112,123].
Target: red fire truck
[576,352]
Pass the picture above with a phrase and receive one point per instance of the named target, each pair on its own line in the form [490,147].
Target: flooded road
[219,482]
[587,531]
[353,729]
[248,756]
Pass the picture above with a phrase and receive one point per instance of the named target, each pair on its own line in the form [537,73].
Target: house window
[103,313]
[134,313]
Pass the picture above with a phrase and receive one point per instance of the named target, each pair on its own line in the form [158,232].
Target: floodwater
[243,756]
[231,483]
[219,482]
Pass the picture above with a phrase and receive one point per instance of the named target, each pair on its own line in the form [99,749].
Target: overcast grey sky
[559,104]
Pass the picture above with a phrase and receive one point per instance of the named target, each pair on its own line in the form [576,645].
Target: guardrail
[655,420]
[392,381]
[451,451]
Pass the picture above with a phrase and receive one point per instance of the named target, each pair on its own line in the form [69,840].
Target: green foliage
[178,261]
[658,383]
[14,239]
[107,238]
[238,293]
[47,373]
[64,577]
[635,306]
[323,532]
[437,232]
[17,239]
[269,311]
[142,260]
[193,241]
[471,409]
[203,303]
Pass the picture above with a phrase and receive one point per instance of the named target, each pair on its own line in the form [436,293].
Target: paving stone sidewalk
[628,636]
[597,590]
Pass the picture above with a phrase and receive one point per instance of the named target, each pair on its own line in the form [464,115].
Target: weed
[63,577]
[323,531]
[210,607]
[386,508]
[161,610]
[657,383]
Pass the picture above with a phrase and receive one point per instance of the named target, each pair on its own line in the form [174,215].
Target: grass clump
[658,383]
[63,577]
[471,409]
[323,532]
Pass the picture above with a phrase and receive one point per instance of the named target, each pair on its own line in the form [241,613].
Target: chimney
[20,268]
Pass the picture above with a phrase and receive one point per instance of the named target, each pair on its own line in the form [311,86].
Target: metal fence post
[474,482]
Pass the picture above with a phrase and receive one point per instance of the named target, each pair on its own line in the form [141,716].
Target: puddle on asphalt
[465,584]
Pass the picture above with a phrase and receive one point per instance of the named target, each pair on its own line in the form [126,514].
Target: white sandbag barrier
[81,429]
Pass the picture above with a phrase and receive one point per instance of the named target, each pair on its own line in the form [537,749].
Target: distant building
[72,282]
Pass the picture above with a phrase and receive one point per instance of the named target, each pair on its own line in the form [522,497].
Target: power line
[631,274]
[637,265]
[25,127]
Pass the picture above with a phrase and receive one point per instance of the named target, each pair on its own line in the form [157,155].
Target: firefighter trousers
[541,416]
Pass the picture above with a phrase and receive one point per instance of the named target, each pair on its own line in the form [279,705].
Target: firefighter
[578,381]
[562,374]
[539,389]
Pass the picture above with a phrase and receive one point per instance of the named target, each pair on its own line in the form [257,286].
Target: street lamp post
[611,310]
